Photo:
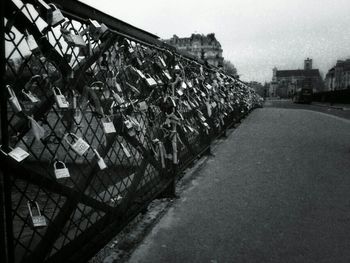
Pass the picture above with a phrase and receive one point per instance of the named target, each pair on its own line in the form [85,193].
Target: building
[284,82]
[203,47]
[338,77]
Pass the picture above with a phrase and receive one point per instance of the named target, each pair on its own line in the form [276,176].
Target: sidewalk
[277,190]
[338,106]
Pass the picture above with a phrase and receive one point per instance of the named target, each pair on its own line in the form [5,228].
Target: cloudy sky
[256,35]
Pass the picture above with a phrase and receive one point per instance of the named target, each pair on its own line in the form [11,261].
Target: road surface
[277,190]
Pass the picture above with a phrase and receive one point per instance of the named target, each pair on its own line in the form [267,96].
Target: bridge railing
[98,118]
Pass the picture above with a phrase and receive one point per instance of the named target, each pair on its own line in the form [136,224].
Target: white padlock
[150,81]
[79,145]
[60,98]
[126,151]
[30,96]
[54,16]
[167,75]
[108,126]
[143,106]
[62,172]
[38,220]
[16,107]
[118,99]
[139,72]
[33,46]
[162,61]
[18,154]
[180,92]
[101,163]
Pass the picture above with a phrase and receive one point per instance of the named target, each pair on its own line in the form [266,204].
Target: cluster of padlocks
[83,92]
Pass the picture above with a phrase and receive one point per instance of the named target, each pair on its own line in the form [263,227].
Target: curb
[333,107]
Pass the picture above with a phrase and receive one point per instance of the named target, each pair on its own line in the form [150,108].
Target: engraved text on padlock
[80,146]
[108,126]
[18,154]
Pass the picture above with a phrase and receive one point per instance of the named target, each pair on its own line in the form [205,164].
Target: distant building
[203,47]
[285,81]
[338,77]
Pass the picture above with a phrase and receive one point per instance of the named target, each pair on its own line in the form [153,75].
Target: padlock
[117,86]
[167,75]
[150,81]
[139,72]
[60,99]
[108,126]
[79,145]
[62,172]
[162,61]
[38,220]
[118,99]
[128,124]
[103,30]
[135,124]
[73,38]
[159,81]
[125,150]
[101,163]
[143,106]
[16,107]
[30,96]
[190,128]
[32,45]
[96,29]
[131,50]
[180,92]
[208,105]
[94,25]
[18,154]
[54,16]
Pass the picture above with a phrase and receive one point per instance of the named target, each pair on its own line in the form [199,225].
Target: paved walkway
[277,190]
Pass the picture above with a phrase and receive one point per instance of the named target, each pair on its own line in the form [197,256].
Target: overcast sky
[256,35]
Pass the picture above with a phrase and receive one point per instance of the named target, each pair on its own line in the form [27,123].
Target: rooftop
[298,73]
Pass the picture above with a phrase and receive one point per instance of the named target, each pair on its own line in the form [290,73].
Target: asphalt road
[277,190]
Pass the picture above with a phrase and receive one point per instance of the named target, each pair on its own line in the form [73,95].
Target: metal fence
[98,118]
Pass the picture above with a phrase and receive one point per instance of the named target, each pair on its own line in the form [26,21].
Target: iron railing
[98,118]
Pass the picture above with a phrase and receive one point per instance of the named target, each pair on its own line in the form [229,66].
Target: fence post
[6,239]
